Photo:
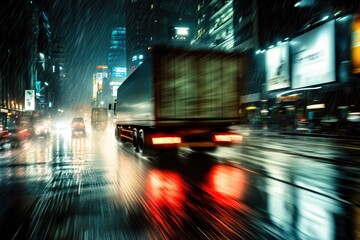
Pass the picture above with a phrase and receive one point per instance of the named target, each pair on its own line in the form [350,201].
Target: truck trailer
[181,98]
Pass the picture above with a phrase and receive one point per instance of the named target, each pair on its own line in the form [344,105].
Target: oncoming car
[42,128]
[78,125]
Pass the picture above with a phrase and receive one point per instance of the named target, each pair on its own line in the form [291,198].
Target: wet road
[91,187]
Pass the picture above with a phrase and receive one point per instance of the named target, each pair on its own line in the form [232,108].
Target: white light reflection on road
[125,173]
[317,212]
[302,197]
[280,197]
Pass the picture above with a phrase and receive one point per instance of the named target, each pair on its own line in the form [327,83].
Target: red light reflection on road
[165,197]
[227,184]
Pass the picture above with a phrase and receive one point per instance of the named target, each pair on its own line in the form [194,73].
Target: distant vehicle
[354,123]
[99,118]
[354,117]
[4,136]
[42,128]
[181,98]
[78,125]
[14,135]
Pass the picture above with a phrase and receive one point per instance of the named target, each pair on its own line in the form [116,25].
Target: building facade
[281,87]
[116,61]
[151,22]
[25,58]
[59,82]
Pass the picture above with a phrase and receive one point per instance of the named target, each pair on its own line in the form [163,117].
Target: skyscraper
[151,22]
[117,60]
[25,53]
[215,28]
[60,75]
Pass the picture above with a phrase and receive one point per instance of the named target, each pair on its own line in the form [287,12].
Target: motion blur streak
[166,199]
[228,138]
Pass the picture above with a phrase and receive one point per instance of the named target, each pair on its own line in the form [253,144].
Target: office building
[117,61]
[152,22]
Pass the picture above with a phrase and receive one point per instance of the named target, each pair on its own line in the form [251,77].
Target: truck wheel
[135,140]
[117,134]
[141,141]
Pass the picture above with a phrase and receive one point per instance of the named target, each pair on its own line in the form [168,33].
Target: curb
[322,135]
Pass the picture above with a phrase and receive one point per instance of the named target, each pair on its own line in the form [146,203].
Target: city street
[272,186]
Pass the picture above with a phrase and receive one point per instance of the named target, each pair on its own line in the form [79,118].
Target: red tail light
[228,137]
[165,140]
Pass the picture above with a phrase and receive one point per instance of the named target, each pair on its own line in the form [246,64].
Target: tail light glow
[228,137]
[165,140]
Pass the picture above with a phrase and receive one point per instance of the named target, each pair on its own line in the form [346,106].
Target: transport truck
[181,98]
[99,118]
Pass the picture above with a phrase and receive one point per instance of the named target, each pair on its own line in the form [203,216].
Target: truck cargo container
[181,98]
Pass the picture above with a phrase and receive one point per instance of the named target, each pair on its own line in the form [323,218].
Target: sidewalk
[324,135]
[248,130]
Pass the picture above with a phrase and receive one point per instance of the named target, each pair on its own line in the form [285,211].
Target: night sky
[85,26]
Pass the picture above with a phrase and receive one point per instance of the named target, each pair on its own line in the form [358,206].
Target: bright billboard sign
[29,100]
[94,89]
[114,90]
[182,31]
[102,67]
[277,67]
[355,46]
[119,72]
[313,56]
[114,86]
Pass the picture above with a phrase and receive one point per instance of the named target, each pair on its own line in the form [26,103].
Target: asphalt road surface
[91,187]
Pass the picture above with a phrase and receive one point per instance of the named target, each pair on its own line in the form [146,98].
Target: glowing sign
[29,100]
[314,57]
[277,67]
[355,47]
[119,72]
[103,67]
[183,31]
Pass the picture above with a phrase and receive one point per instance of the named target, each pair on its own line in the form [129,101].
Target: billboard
[355,46]
[114,86]
[277,67]
[94,88]
[118,72]
[29,100]
[313,56]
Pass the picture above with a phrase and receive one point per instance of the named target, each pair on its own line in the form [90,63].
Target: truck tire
[135,140]
[117,134]
[141,141]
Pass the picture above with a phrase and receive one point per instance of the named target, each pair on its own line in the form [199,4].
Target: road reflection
[91,187]
[165,199]
[317,203]
[197,198]
[304,202]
